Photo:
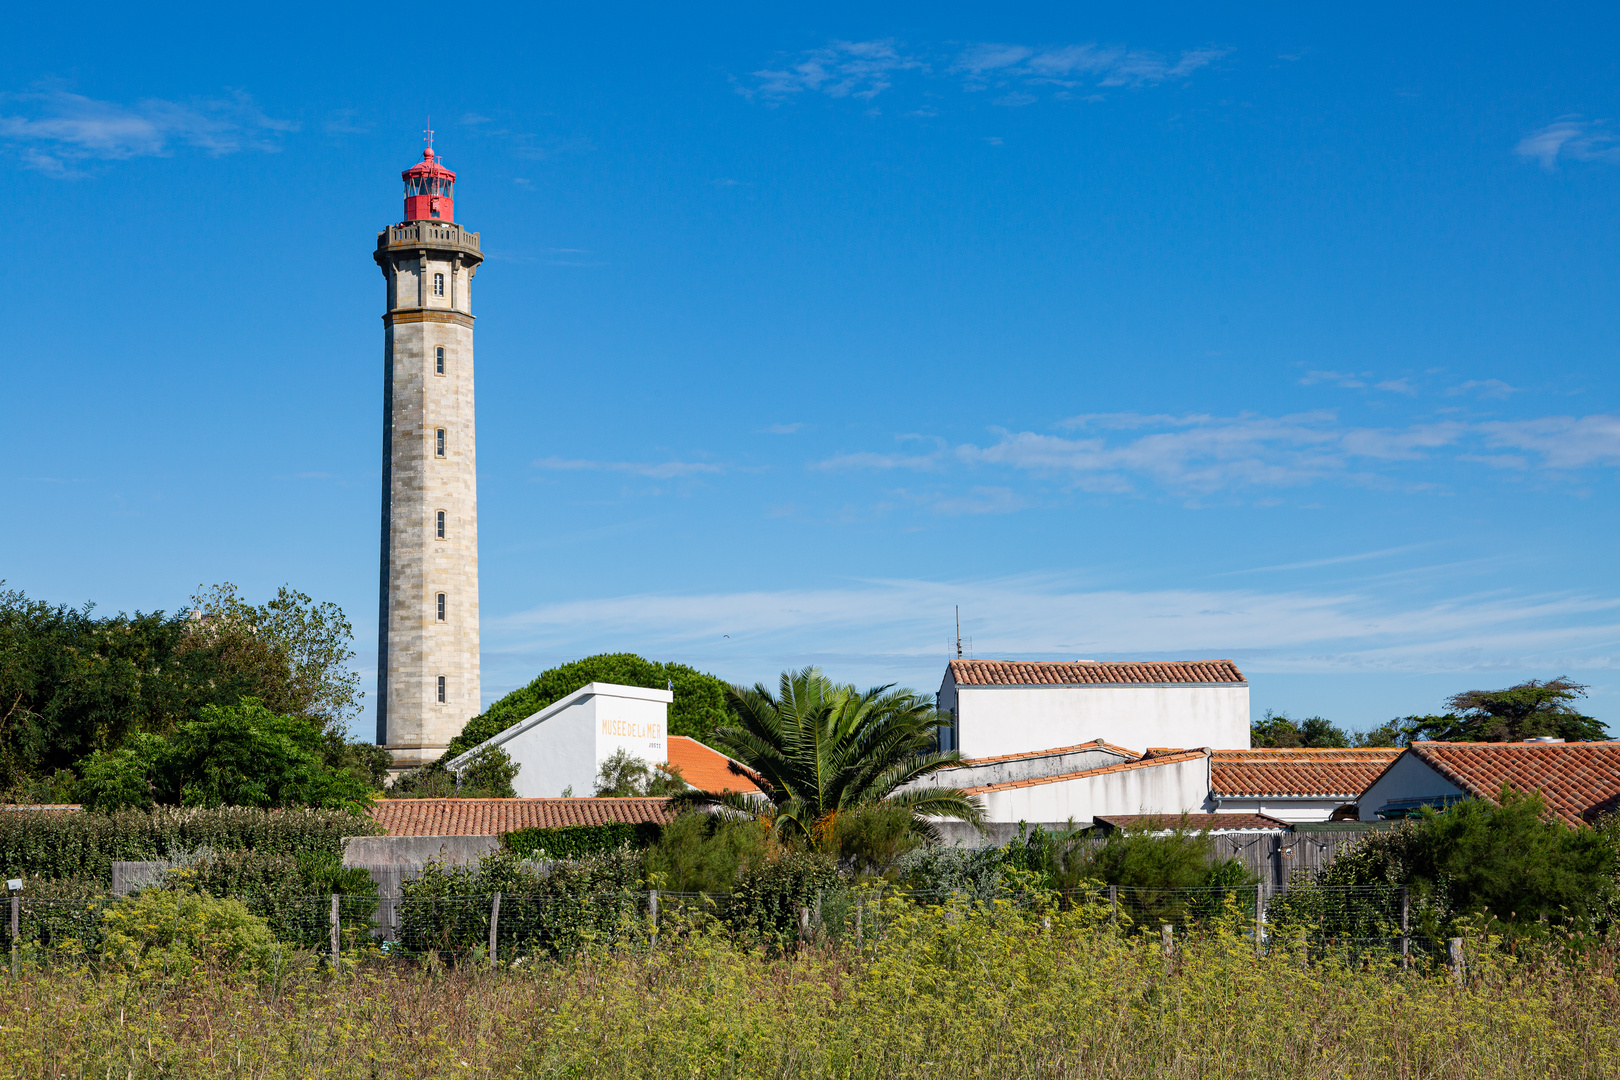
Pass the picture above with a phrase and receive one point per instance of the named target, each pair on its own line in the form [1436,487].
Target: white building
[1580,781]
[1295,784]
[562,747]
[1002,707]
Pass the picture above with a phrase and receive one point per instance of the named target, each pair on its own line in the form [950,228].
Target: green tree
[488,775]
[625,775]
[823,749]
[73,683]
[1522,711]
[699,706]
[1277,730]
[242,755]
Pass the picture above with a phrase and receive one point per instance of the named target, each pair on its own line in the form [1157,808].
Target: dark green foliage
[699,706]
[1520,712]
[244,755]
[1509,862]
[770,893]
[824,749]
[57,844]
[706,853]
[489,775]
[1144,859]
[289,891]
[939,872]
[1276,729]
[556,910]
[577,841]
[870,838]
[72,683]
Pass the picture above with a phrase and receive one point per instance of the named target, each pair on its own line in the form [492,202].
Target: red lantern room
[428,189]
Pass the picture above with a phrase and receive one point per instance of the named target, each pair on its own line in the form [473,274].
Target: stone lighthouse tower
[427,641]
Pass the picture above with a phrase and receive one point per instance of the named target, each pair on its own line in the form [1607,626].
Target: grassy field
[944,993]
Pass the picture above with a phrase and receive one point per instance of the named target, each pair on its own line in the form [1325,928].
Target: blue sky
[1249,332]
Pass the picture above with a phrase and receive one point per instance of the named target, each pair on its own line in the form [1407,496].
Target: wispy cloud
[865,69]
[1569,138]
[1348,380]
[1073,65]
[56,131]
[1200,454]
[883,630]
[1484,388]
[858,69]
[786,429]
[658,470]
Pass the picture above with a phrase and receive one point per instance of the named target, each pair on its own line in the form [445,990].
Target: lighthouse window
[438,443]
[441,607]
[438,281]
[438,527]
[441,689]
[438,361]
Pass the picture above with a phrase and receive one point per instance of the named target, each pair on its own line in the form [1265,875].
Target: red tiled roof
[1193,821]
[491,817]
[1095,744]
[706,768]
[1092,673]
[1323,773]
[1145,763]
[1580,781]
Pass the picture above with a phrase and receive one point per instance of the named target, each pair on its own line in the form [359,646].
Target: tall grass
[941,992]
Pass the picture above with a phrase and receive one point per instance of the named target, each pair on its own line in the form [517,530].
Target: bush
[577,841]
[624,775]
[289,891]
[54,843]
[771,893]
[176,930]
[706,853]
[872,837]
[974,873]
[1509,862]
[489,775]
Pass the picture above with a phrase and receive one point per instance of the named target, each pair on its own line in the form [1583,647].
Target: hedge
[80,844]
[578,841]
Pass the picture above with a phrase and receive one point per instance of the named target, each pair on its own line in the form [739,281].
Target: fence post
[494,925]
[804,924]
[1259,917]
[860,910]
[1455,948]
[652,916]
[1167,939]
[336,943]
[1113,902]
[816,915]
[1406,928]
[16,930]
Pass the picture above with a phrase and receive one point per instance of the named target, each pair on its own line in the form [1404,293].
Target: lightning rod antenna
[959,631]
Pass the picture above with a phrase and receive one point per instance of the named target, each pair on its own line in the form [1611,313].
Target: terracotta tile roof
[1092,673]
[1193,821]
[1580,781]
[1145,763]
[1307,773]
[706,768]
[491,817]
[1096,744]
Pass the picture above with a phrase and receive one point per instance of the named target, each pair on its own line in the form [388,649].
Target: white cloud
[1396,386]
[864,69]
[860,69]
[1348,380]
[1484,388]
[877,631]
[1571,138]
[658,470]
[56,130]
[786,429]
[1200,454]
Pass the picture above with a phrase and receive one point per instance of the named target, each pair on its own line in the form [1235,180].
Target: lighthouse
[427,639]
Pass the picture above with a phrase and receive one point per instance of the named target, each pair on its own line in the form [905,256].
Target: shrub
[289,891]
[770,893]
[53,843]
[871,837]
[176,930]
[489,775]
[974,873]
[576,841]
[706,853]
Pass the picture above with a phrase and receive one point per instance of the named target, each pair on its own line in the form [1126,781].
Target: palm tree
[819,749]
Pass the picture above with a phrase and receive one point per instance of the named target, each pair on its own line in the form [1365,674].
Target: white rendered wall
[1157,789]
[991,721]
[1408,778]
[562,746]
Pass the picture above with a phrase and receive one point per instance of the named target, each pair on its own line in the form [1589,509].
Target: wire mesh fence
[1344,922]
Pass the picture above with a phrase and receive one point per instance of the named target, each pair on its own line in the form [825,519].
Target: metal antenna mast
[959,631]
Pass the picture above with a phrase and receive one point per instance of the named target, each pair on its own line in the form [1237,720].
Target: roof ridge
[1140,763]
